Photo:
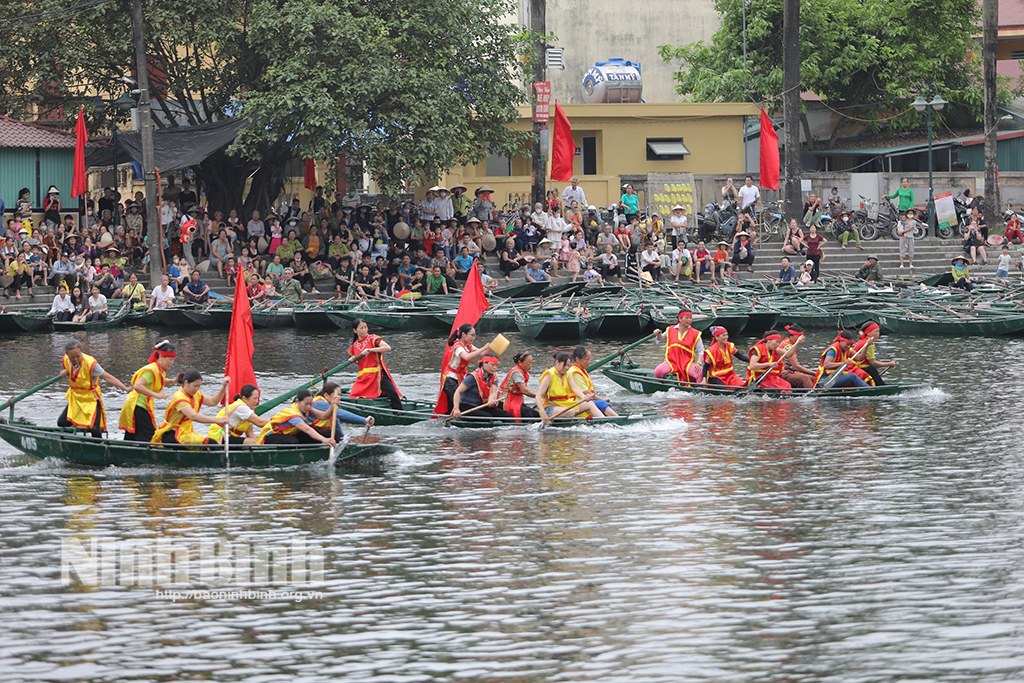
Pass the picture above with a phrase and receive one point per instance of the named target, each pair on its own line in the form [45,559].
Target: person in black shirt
[187,197]
[318,200]
[107,202]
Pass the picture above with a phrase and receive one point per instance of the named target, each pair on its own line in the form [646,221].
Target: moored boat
[949,325]
[14,322]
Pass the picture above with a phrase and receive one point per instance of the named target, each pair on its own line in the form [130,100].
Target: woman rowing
[864,361]
[325,408]
[374,380]
[183,410]
[138,415]
[459,353]
[85,400]
[291,425]
[683,352]
[478,392]
[793,372]
[241,418]
[835,358]
[515,386]
[582,386]
[718,369]
[556,398]
[765,358]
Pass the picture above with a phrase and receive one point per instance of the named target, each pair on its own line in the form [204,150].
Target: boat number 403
[637,387]
[28,443]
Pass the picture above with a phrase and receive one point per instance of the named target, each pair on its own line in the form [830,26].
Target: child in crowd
[1003,266]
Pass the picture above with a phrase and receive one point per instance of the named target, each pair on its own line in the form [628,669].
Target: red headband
[868,330]
[841,338]
[793,332]
[718,330]
[166,354]
[773,337]
[684,312]
[489,359]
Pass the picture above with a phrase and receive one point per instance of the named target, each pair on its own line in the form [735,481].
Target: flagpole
[227,425]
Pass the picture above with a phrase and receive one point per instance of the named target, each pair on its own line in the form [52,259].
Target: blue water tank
[616,80]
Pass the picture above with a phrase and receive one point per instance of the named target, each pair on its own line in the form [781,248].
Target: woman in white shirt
[63,308]
[650,262]
[97,306]
[556,225]
[678,223]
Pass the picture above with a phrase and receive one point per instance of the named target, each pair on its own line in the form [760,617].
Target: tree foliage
[866,59]
[412,87]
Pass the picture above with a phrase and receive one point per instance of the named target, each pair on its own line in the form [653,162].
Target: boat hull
[950,327]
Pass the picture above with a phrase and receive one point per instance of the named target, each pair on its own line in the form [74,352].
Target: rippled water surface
[754,540]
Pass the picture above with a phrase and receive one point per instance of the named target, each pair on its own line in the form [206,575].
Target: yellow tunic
[238,431]
[83,396]
[278,423]
[559,391]
[127,421]
[175,421]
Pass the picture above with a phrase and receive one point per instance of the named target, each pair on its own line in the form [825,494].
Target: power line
[25,18]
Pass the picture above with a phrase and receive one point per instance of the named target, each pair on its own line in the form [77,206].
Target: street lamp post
[923,104]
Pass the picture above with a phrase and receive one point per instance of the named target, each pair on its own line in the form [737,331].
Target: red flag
[472,305]
[238,366]
[79,184]
[310,180]
[769,154]
[563,148]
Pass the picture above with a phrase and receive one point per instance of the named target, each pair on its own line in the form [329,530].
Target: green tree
[864,58]
[412,88]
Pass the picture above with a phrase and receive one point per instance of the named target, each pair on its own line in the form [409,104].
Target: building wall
[597,30]
[18,169]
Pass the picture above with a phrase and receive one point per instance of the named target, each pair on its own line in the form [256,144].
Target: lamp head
[920,104]
[937,102]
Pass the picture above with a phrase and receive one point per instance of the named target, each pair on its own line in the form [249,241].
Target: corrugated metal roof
[15,133]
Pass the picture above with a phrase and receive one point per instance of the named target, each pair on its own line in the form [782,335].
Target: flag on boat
[238,366]
[79,183]
[769,154]
[563,148]
[471,306]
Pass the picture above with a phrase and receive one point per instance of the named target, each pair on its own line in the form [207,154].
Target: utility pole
[156,252]
[791,103]
[989,35]
[538,23]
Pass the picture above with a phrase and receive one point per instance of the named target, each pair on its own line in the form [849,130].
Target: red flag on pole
[472,305]
[563,148]
[79,184]
[310,179]
[769,154]
[238,366]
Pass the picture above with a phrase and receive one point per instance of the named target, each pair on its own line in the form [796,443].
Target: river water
[753,540]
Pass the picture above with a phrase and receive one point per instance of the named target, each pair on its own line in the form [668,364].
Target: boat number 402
[28,443]
[637,387]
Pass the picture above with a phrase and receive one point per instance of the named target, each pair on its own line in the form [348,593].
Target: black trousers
[290,439]
[94,430]
[875,375]
[508,266]
[450,385]
[387,386]
[483,412]
[608,271]
[817,262]
[63,316]
[144,427]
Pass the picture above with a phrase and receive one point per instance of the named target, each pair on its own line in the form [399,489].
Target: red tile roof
[15,133]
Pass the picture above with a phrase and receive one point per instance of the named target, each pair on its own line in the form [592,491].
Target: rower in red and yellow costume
[240,418]
[138,414]
[793,372]
[479,392]
[718,367]
[514,386]
[863,356]
[581,384]
[764,357]
[85,400]
[183,411]
[292,424]
[459,353]
[684,352]
[374,379]
[555,396]
[833,359]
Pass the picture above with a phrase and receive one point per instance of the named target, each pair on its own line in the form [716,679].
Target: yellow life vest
[238,431]
[175,420]
[584,376]
[279,423]
[83,395]
[559,391]
[127,421]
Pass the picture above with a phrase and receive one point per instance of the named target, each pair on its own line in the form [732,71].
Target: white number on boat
[28,443]
[637,387]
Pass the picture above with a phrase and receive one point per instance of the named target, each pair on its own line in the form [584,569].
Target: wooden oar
[461,415]
[20,397]
[757,382]
[541,425]
[835,375]
[609,358]
[274,402]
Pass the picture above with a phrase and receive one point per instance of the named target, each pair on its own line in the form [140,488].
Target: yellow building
[617,142]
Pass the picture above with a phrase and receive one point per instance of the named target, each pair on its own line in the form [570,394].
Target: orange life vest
[513,396]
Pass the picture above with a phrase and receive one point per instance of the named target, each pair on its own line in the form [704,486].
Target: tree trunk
[990,27]
[791,103]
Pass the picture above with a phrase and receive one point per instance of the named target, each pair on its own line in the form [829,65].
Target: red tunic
[371,369]
[774,379]
[513,397]
[720,360]
[680,351]
[459,373]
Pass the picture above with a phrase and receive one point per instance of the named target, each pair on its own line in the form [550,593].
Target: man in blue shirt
[787,273]
[463,262]
[405,271]
[535,274]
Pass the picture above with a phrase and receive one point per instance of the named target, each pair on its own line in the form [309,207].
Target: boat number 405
[28,443]
[637,387]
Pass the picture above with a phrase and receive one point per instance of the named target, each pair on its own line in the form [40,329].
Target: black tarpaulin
[173,148]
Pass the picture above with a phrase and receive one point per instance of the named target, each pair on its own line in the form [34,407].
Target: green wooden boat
[273,317]
[526,290]
[76,447]
[16,322]
[401,318]
[949,325]
[420,411]
[759,322]
[565,289]
[314,319]
[214,317]
[144,317]
[116,316]
[641,381]
[175,318]
[613,323]
[501,319]
[551,326]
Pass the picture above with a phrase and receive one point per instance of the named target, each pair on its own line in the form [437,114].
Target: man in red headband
[792,371]
[863,354]
[684,352]
[835,356]
[718,360]
[478,384]
[764,358]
